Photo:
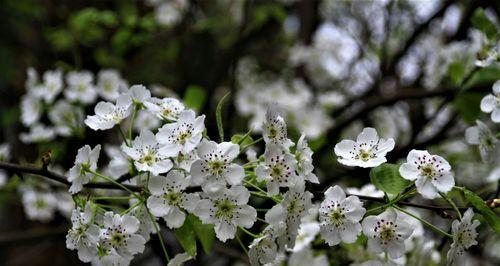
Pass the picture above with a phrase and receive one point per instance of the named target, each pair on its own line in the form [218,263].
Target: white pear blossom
[110,84]
[481,135]
[186,160]
[386,232]
[80,87]
[119,164]
[340,216]
[107,115]
[147,155]
[31,110]
[83,234]
[66,118]
[306,257]
[432,173]
[227,209]
[274,128]
[303,155]
[51,86]
[366,190]
[86,159]
[215,166]
[141,212]
[169,199]
[306,234]
[184,134]
[39,205]
[38,133]
[120,234]
[464,236]
[146,120]
[167,109]
[296,203]
[367,151]
[138,94]
[491,103]
[277,169]
[179,259]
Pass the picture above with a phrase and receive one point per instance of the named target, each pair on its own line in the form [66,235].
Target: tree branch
[58,177]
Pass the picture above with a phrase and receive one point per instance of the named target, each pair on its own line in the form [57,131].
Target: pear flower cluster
[172,173]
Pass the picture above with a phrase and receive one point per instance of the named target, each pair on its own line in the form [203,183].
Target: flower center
[336,217]
[276,172]
[117,239]
[184,136]
[272,132]
[40,203]
[148,159]
[364,155]
[174,199]
[217,167]
[387,234]
[224,209]
[427,171]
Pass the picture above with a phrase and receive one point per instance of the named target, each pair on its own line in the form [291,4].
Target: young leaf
[487,213]
[242,140]
[467,105]
[482,77]
[386,177]
[187,238]
[481,22]
[195,97]
[218,116]
[204,232]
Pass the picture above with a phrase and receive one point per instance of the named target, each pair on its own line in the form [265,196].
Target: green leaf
[242,140]
[456,72]
[218,116]
[195,97]
[479,204]
[204,232]
[483,23]
[482,77]
[187,237]
[467,106]
[386,177]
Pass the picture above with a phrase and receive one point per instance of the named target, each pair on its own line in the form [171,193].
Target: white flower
[274,128]
[51,86]
[107,115]
[464,236]
[119,164]
[169,13]
[306,257]
[306,234]
[139,94]
[491,103]
[366,190]
[146,120]
[168,199]
[179,259]
[145,152]
[215,166]
[66,118]
[304,165]
[184,134]
[227,209]
[367,151]
[80,87]
[277,170]
[167,109]
[38,133]
[5,152]
[110,84]
[386,233]
[185,161]
[481,135]
[39,205]
[339,217]
[432,173]
[83,234]
[31,110]
[86,159]
[65,203]
[296,203]
[120,234]
[141,212]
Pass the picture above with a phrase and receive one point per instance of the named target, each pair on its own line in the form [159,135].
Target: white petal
[246,216]
[225,231]
[157,184]
[135,244]
[472,135]
[335,193]
[426,188]
[368,225]
[197,172]
[344,148]
[351,232]
[444,183]
[205,148]
[409,171]
[175,218]
[396,249]
[130,223]
[169,150]
[488,103]
[495,116]
[158,206]
[234,174]
[368,135]
[330,234]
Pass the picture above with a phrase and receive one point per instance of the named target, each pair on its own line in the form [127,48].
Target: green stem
[132,123]
[109,179]
[241,244]
[431,226]
[248,232]
[123,135]
[139,202]
[251,144]
[160,237]
[452,204]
